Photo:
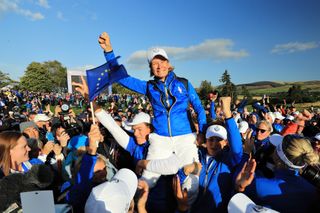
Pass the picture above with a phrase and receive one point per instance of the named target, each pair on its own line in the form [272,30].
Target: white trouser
[168,154]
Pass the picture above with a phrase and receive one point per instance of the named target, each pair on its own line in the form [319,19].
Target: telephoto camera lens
[312,174]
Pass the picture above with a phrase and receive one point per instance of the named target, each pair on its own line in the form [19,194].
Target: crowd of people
[164,150]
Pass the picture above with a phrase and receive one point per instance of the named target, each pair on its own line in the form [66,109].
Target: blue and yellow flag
[101,77]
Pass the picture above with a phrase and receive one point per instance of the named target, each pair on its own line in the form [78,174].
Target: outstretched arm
[131,83]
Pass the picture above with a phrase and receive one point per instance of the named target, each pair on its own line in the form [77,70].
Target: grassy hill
[271,87]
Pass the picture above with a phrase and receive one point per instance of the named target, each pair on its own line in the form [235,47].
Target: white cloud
[43,3]
[212,49]
[12,6]
[292,47]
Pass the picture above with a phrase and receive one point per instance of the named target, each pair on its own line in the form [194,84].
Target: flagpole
[92,112]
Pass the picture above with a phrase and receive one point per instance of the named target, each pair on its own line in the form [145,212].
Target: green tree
[5,79]
[118,89]
[228,88]
[295,93]
[245,92]
[204,89]
[37,78]
[58,73]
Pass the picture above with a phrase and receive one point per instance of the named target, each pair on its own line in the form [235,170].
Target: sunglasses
[261,130]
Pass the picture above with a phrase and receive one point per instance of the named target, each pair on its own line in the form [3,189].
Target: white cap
[243,126]
[41,117]
[290,117]
[272,116]
[240,203]
[156,51]
[114,195]
[276,139]
[296,113]
[139,118]
[317,137]
[278,115]
[216,130]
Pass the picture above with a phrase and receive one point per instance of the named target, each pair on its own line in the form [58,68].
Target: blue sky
[255,40]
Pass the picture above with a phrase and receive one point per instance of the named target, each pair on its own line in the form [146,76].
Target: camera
[312,175]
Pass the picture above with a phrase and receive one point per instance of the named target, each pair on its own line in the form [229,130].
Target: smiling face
[19,153]
[141,132]
[215,145]
[160,67]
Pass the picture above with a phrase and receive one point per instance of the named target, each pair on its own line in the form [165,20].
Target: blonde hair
[266,123]
[298,150]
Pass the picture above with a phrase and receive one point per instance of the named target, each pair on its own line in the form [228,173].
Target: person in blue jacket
[91,172]
[287,190]
[170,97]
[160,197]
[222,154]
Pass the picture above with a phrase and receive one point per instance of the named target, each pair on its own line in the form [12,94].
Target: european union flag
[101,77]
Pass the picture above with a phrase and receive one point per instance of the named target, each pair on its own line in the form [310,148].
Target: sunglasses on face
[261,130]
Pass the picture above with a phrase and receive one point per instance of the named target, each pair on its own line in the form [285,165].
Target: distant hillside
[270,87]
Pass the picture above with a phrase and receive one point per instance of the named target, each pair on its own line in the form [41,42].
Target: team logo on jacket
[179,89]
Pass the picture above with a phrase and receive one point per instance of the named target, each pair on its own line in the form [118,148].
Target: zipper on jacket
[174,102]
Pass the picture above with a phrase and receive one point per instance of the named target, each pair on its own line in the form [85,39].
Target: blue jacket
[138,152]
[286,192]
[216,184]
[170,101]
[79,193]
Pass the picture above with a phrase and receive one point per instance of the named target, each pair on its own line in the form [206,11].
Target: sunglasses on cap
[261,130]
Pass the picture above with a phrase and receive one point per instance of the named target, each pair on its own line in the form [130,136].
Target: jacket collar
[170,77]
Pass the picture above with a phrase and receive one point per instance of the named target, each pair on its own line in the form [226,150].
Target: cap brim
[276,139]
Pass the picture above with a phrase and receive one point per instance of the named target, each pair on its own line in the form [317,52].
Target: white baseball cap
[240,203]
[290,117]
[278,115]
[216,130]
[272,116]
[41,117]
[114,195]
[139,118]
[156,51]
[243,126]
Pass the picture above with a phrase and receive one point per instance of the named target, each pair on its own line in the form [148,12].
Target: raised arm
[234,137]
[107,121]
[116,131]
[131,83]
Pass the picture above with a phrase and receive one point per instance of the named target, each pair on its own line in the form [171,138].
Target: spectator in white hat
[115,195]
[170,97]
[286,191]
[222,154]
[277,124]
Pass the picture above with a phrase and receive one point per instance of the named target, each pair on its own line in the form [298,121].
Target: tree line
[52,76]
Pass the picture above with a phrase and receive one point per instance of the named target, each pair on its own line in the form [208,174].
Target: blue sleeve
[131,146]
[79,193]
[134,84]
[129,82]
[197,106]
[234,140]
[245,157]
[212,110]
[241,106]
